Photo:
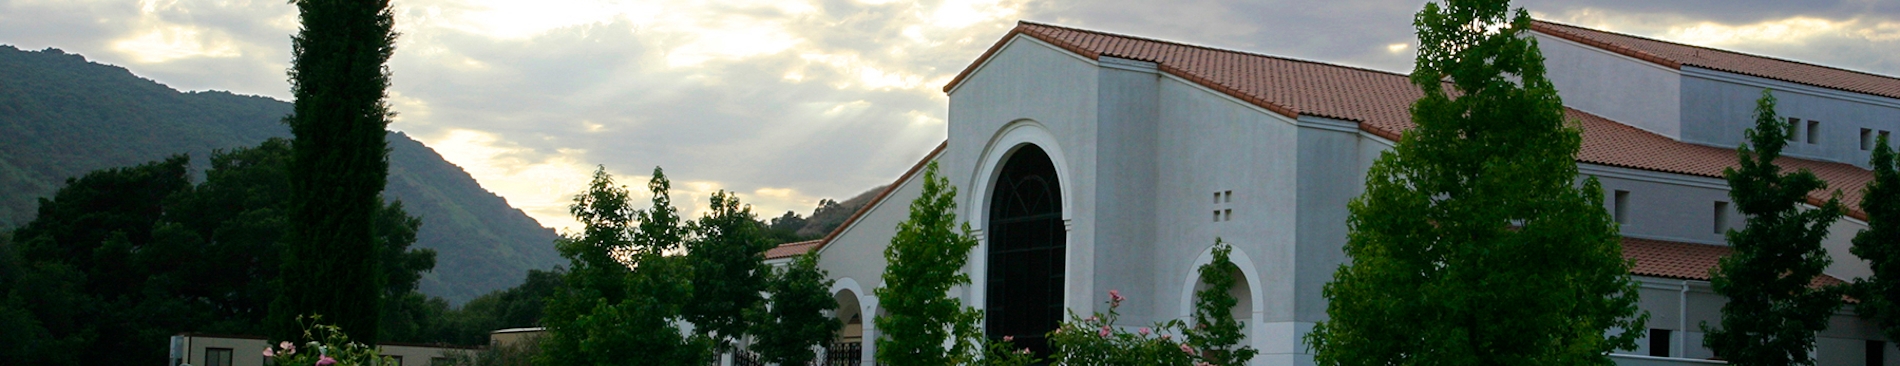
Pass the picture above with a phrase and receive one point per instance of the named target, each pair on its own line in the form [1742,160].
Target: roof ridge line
[1212,48]
[1705,48]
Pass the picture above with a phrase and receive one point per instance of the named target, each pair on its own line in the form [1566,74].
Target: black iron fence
[844,354]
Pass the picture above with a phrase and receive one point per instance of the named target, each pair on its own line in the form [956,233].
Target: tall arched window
[1026,241]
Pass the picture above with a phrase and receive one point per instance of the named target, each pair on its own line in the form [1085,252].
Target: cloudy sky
[790,101]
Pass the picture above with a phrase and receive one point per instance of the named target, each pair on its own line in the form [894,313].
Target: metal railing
[844,354]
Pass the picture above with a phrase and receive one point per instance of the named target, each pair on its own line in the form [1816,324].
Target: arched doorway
[1026,242]
[848,349]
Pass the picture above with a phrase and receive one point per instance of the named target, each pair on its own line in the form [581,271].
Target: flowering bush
[1096,340]
[324,345]
[1005,353]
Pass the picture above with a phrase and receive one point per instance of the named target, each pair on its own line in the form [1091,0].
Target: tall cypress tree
[1880,243]
[339,165]
[1772,312]
[1473,243]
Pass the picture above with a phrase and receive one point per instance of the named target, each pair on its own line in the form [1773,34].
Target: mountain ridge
[62,116]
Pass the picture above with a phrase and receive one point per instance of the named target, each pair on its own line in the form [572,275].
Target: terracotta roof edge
[1210,48]
[1557,30]
[826,241]
[1678,64]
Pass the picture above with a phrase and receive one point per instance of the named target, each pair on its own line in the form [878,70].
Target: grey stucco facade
[1153,168]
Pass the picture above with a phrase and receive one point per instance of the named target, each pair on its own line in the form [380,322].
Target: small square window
[1866,139]
[1619,207]
[1229,195]
[1216,215]
[217,357]
[1216,198]
[1794,129]
[1721,217]
[1876,353]
[1659,342]
[1814,132]
[1227,215]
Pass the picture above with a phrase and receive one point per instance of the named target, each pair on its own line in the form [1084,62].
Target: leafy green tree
[1880,243]
[1216,333]
[925,259]
[81,270]
[728,262]
[340,164]
[1772,312]
[622,288]
[796,321]
[1472,245]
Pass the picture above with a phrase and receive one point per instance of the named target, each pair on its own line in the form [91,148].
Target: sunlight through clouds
[540,186]
[171,42]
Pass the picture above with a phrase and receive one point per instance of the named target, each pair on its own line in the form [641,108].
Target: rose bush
[324,345]
[1096,340]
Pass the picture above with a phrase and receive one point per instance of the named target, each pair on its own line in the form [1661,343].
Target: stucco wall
[1718,106]
[1635,92]
[1030,92]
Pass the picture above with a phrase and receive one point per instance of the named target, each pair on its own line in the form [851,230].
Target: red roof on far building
[1684,261]
[1381,102]
[792,249]
[1675,55]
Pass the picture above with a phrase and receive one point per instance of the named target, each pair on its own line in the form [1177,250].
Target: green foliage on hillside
[61,117]
[1475,243]
[1772,313]
[829,214]
[122,258]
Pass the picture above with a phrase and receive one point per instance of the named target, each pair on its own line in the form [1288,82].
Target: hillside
[62,116]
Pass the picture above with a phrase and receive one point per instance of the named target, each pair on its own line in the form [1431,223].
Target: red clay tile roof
[1381,102]
[792,249]
[1684,261]
[1674,55]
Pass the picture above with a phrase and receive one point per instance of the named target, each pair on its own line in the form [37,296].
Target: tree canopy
[1880,243]
[1772,311]
[339,165]
[921,325]
[1474,244]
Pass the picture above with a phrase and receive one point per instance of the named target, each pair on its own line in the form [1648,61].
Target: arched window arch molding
[1256,335]
[1013,136]
[976,208]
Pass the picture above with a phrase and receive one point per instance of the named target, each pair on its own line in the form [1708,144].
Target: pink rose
[1144,331]
[1013,338]
[327,361]
[1024,351]
[1166,337]
[289,349]
[268,353]
[1116,295]
[1186,349]
[1104,331]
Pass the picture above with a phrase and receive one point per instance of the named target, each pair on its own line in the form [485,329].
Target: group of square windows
[1221,212]
[1809,132]
[1620,205]
[1660,339]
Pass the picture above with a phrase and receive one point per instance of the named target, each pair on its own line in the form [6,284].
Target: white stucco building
[1089,161]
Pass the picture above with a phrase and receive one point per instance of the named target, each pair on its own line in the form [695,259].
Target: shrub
[324,345]
[1096,340]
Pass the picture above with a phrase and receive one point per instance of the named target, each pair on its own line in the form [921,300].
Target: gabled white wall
[1624,89]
